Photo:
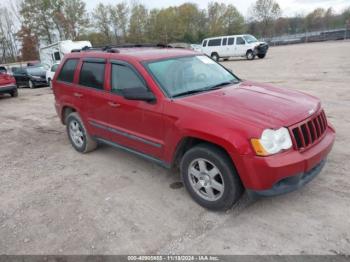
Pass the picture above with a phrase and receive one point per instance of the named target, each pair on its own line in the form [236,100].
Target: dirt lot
[56,201]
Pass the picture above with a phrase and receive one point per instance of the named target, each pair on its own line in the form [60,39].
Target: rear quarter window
[67,71]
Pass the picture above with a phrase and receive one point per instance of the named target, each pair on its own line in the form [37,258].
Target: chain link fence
[308,37]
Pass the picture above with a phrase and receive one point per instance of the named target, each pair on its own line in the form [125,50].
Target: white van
[234,46]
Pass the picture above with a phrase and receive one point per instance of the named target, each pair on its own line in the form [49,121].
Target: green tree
[75,18]
[38,15]
[266,12]
[119,16]
[138,24]
[233,21]
[101,17]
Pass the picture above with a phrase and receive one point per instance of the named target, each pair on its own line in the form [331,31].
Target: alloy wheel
[206,179]
[76,133]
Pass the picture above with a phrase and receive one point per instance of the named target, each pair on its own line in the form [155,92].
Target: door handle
[113,104]
[78,95]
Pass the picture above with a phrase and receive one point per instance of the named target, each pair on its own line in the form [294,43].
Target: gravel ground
[57,201]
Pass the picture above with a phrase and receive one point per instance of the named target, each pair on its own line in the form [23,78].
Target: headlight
[272,142]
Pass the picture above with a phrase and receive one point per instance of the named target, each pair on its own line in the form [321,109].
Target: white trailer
[54,53]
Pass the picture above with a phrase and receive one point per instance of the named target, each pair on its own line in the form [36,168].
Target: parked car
[50,73]
[7,83]
[180,108]
[197,48]
[33,76]
[234,46]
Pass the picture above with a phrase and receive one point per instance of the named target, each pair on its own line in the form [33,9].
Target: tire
[14,93]
[49,83]
[215,189]
[261,56]
[31,84]
[78,135]
[215,57]
[250,55]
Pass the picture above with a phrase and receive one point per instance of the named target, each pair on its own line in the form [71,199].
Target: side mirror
[138,93]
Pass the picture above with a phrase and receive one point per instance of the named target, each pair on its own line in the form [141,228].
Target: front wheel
[261,56]
[250,55]
[210,177]
[78,135]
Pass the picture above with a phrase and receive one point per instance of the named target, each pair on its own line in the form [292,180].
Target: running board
[145,156]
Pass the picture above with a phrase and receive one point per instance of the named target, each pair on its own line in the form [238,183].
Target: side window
[205,43]
[240,41]
[67,71]
[57,56]
[54,68]
[231,41]
[214,42]
[92,74]
[124,77]
[224,41]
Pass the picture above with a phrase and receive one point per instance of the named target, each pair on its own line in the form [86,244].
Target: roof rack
[114,48]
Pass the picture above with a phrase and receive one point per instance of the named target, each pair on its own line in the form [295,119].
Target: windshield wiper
[214,87]
[220,85]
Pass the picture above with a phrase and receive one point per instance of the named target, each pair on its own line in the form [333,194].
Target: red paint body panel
[6,80]
[228,117]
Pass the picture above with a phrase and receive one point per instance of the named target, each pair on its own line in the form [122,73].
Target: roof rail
[114,48]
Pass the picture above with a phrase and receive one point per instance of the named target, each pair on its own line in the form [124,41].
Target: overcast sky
[289,7]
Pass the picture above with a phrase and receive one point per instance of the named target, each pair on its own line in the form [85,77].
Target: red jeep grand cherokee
[180,108]
[7,83]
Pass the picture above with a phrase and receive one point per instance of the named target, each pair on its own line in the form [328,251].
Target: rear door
[93,95]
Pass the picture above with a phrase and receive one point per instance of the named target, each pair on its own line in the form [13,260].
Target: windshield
[250,39]
[186,75]
[35,70]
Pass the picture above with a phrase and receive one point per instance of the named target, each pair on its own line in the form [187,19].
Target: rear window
[67,72]
[92,75]
[214,42]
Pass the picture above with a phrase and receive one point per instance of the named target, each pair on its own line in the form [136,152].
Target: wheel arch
[66,110]
[189,142]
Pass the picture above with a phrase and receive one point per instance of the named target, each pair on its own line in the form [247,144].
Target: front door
[240,46]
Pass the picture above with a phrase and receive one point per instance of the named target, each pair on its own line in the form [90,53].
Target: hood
[260,104]
[6,79]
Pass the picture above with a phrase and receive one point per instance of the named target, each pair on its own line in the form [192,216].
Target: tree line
[27,24]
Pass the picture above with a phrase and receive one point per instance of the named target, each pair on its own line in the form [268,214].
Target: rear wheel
[31,84]
[14,93]
[210,177]
[78,135]
[49,83]
[215,57]
[250,55]
[261,56]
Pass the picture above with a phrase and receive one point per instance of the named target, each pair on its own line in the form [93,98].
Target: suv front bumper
[284,172]
[7,89]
